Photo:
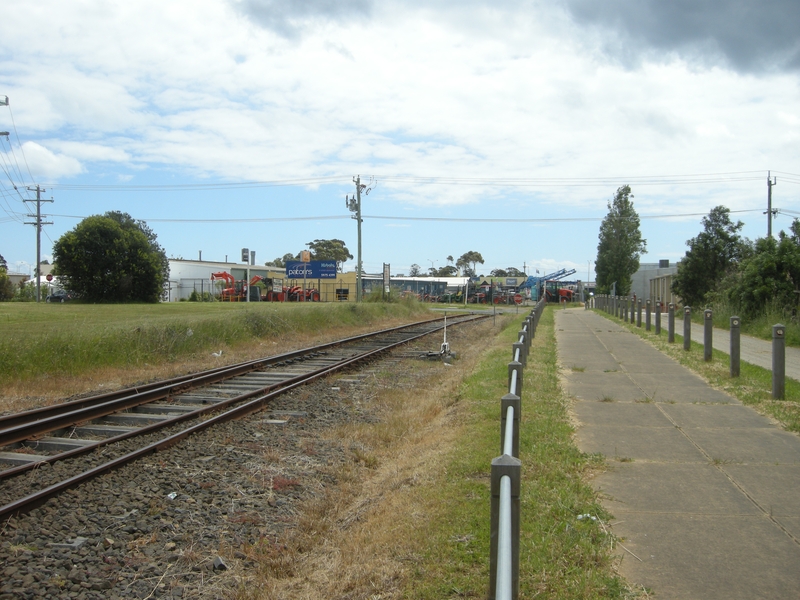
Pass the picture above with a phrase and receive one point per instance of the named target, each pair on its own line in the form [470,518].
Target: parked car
[58,296]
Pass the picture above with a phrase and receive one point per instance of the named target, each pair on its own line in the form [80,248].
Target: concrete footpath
[704,491]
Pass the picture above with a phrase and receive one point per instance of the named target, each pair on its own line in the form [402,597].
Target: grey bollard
[625,309]
[708,334]
[633,309]
[735,345]
[647,315]
[778,361]
[687,327]
[671,323]
[511,467]
[639,314]
[515,366]
[658,318]
[505,402]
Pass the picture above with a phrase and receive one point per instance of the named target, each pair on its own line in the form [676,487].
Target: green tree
[469,262]
[711,255]
[770,276]
[6,287]
[3,263]
[280,263]
[620,245]
[414,271]
[330,250]
[111,258]
[128,223]
[447,271]
[509,272]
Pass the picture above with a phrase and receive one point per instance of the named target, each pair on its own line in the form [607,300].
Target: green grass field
[74,338]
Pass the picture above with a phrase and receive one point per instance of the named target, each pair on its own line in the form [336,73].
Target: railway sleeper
[58,444]
[138,419]
[101,431]
[18,458]
[163,409]
[192,399]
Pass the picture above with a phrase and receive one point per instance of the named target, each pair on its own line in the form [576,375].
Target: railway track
[119,427]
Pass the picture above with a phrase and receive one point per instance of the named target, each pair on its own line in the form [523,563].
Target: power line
[688,179]
[405,218]
[21,149]
[247,220]
[691,179]
[197,186]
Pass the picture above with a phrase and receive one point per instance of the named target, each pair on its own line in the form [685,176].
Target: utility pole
[770,213]
[354,204]
[38,223]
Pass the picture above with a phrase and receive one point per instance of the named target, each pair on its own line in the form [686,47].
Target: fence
[506,473]
[617,306]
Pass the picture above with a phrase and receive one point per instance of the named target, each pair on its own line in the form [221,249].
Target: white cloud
[219,89]
[47,165]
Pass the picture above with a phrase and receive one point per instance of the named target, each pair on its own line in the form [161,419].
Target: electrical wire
[196,186]
[22,151]
[240,220]
[691,179]
[405,218]
[7,194]
[582,181]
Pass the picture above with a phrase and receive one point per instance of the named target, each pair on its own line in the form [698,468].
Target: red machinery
[229,292]
[297,294]
[560,295]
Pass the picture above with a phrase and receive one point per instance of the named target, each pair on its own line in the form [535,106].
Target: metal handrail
[503,589]
[505,517]
[508,442]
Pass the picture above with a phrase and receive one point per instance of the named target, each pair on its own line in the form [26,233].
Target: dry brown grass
[357,539]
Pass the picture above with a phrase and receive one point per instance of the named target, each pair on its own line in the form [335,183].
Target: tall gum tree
[620,245]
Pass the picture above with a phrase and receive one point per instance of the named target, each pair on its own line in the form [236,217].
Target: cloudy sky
[506,130]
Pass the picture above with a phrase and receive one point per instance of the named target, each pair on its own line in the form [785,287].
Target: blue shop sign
[315,269]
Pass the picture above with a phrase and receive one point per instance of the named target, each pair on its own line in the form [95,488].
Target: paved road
[705,492]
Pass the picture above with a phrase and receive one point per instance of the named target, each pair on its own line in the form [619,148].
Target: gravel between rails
[176,524]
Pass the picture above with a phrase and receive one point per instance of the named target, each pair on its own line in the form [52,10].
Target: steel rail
[31,424]
[58,422]
[189,381]
[37,498]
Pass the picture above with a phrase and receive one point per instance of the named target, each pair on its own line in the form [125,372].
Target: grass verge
[561,556]
[753,387]
[409,516]
[68,348]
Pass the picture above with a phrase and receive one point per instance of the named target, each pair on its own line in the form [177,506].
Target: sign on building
[315,269]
